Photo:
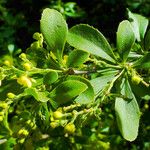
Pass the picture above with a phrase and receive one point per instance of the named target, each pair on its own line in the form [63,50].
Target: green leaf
[100,82]
[39,96]
[88,95]
[134,55]
[143,62]
[87,38]
[45,111]
[50,77]
[67,91]
[147,41]
[125,39]
[139,24]
[77,58]
[127,112]
[54,30]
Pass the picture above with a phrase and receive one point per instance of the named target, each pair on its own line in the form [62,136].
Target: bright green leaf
[88,95]
[50,77]
[139,24]
[87,38]
[77,58]
[67,91]
[39,96]
[54,30]
[134,55]
[127,112]
[125,39]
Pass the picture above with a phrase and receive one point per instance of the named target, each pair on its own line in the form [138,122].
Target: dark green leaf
[88,95]
[125,39]
[77,58]
[45,111]
[67,91]
[143,62]
[39,96]
[127,112]
[87,38]
[9,86]
[140,90]
[147,41]
[50,77]
[54,30]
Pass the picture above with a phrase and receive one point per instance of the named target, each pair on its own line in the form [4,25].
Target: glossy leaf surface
[88,95]
[127,112]
[67,91]
[77,58]
[125,39]
[39,96]
[54,30]
[50,77]
[87,38]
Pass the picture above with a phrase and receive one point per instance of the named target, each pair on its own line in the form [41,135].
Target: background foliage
[16,17]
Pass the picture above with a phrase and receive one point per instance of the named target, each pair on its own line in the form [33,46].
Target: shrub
[65,89]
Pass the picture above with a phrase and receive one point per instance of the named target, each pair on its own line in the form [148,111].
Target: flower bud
[27,66]
[10,95]
[25,81]
[23,132]
[35,45]
[146,106]
[1,113]
[57,115]
[1,118]
[3,105]
[54,124]
[37,36]
[7,63]
[23,56]
[136,79]
[69,128]
[21,141]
